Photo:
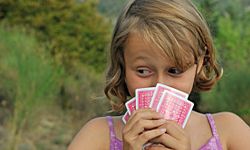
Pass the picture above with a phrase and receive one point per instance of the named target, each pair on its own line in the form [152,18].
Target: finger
[166,140]
[177,132]
[146,114]
[156,147]
[141,139]
[174,129]
[142,125]
[150,134]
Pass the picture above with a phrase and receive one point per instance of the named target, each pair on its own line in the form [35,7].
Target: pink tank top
[212,144]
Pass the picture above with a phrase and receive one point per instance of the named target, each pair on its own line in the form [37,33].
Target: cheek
[187,82]
[186,86]
[130,82]
[134,82]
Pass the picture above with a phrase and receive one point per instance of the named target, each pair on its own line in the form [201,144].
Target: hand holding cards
[169,102]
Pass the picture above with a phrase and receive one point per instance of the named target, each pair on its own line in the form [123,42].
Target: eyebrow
[140,57]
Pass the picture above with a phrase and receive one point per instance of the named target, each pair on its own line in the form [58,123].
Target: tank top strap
[212,125]
[111,131]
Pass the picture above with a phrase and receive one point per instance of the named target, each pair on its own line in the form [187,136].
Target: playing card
[160,88]
[143,97]
[131,105]
[174,107]
[125,117]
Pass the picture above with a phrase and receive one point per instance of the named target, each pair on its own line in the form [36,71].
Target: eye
[144,72]
[175,71]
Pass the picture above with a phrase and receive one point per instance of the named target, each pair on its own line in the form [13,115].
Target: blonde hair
[177,28]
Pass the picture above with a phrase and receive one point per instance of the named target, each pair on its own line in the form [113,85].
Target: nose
[163,79]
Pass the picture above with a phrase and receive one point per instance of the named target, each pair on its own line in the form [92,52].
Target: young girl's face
[146,65]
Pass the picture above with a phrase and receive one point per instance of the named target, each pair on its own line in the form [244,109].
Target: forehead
[136,40]
[136,45]
[139,43]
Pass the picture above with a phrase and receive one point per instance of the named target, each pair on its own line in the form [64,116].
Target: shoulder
[93,135]
[229,120]
[235,132]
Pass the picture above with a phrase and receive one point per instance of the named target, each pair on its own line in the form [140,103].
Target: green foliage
[231,94]
[30,76]
[74,31]
[210,10]
[111,8]
[232,39]
[82,93]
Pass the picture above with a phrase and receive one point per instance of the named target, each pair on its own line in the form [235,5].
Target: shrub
[29,75]
[73,30]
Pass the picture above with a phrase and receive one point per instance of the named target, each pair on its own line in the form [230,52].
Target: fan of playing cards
[170,102]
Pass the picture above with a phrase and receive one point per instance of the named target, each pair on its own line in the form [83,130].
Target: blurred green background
[53,56]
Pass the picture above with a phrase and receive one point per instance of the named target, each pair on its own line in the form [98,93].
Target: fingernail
[163,130]
[162,121]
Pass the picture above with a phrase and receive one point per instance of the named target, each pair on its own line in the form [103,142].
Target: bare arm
[92,136]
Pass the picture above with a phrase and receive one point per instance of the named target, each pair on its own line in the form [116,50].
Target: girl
[162,41]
